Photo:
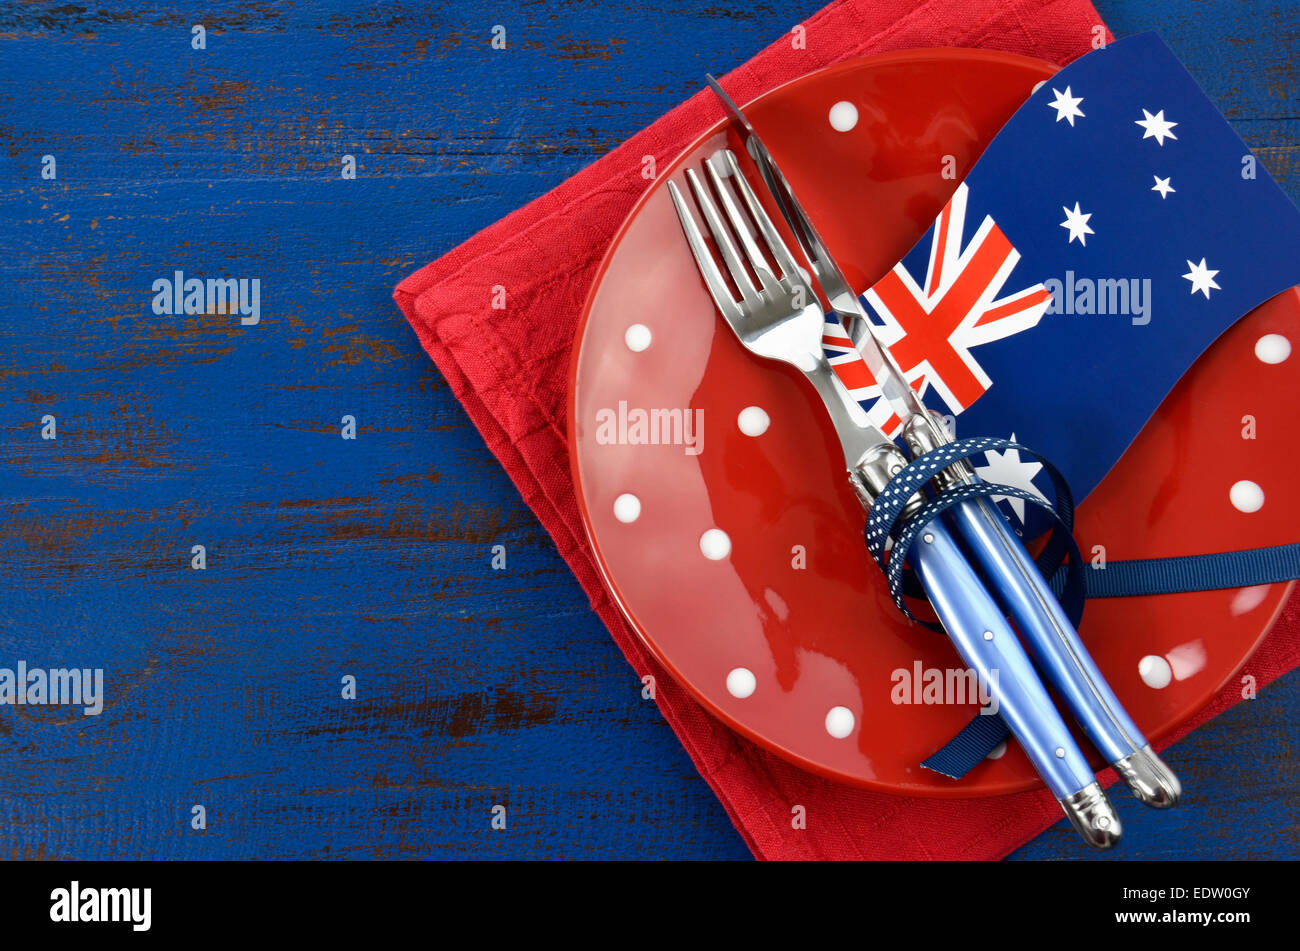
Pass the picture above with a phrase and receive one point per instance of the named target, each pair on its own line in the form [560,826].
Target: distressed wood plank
[370,557]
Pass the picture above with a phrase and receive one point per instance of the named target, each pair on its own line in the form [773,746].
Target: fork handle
[1023,592]
[988,645]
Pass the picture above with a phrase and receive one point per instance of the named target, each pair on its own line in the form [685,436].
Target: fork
[779,318]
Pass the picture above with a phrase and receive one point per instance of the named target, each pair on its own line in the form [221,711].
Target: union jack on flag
[932,328]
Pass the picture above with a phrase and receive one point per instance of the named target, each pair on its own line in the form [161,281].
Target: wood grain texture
[329,557]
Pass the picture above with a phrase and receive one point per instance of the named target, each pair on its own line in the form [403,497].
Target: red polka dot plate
[713,490]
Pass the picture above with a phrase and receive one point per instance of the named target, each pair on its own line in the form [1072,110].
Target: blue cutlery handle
[989,646]
[1023,593]
[1066,663]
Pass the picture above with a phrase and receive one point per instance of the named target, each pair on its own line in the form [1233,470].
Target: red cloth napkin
[510,370]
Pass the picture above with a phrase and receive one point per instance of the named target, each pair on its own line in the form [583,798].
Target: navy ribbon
[887,511]
[1228,569]
[1059,561]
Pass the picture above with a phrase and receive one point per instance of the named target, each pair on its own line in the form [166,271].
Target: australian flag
[1113,229]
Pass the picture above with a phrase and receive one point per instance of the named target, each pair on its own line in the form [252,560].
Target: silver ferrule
[925,433]
[1152,782]
[1090,812]
[873,472]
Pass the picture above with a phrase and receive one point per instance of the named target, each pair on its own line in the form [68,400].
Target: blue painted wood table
[127,155]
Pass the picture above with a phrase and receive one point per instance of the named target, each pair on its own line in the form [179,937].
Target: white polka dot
[998,751]
[637,337]
[1272,348]
[1039,85]
[1155,671]
[627,507]
[741,683]
[844,116]
[715,544]
[839,722]
[1246,496]
[753,421]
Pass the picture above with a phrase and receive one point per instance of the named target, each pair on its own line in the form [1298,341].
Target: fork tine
[780,251]
[741,226]
[723,239]
[704,261]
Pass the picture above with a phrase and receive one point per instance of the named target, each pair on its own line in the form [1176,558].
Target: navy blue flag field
[1113,229]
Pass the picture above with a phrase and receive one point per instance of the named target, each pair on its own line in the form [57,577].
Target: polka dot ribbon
[885,520]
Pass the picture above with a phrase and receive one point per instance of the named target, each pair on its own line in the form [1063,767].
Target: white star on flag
[1066,106]
[1006,468]
[1157,127]
[1162,186]
[1076,222]
[1202,278]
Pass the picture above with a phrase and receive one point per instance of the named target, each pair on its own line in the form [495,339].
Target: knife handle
[988,645]
[1023,593]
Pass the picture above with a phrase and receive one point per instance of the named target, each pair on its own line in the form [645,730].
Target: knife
[1018,585]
